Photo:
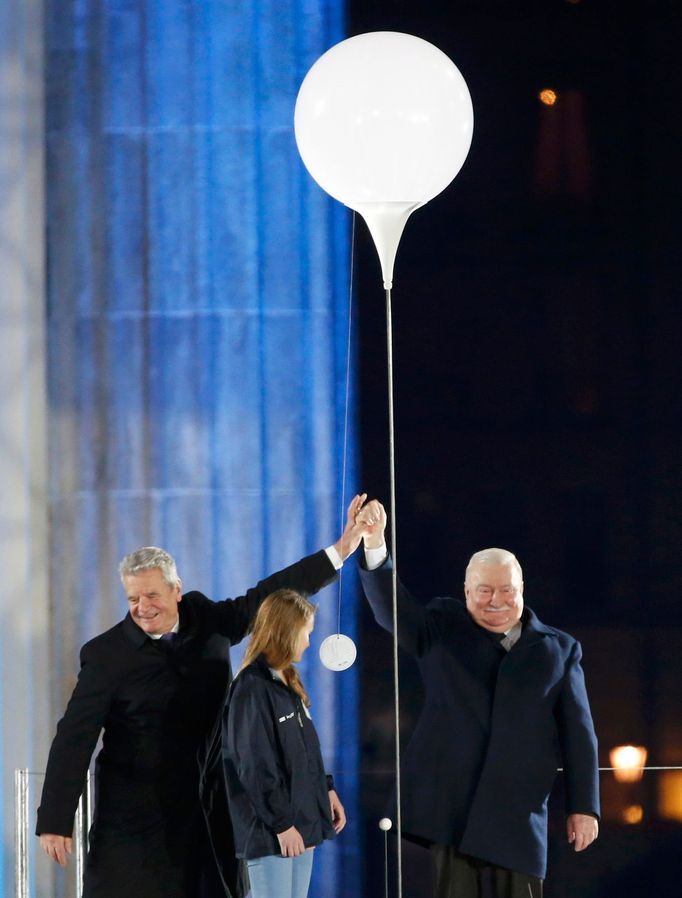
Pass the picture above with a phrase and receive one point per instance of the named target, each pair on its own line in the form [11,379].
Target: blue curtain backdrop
[197,323]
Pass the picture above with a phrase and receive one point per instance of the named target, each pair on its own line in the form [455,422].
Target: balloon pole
[394,583]
[384,825]
[383,123]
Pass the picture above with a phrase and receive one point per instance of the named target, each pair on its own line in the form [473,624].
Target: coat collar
[134,633]
[262,669]
[262,666]
[534,630]
[137,635]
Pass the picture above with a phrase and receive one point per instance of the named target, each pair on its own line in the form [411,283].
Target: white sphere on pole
[383,123]
[383,117]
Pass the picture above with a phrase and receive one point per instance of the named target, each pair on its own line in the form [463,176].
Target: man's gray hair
[148,558]
[494,556]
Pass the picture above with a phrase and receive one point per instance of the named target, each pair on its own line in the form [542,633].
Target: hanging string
[394,584]
[346,408]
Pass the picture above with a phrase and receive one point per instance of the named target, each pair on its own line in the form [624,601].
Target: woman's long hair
[275,633]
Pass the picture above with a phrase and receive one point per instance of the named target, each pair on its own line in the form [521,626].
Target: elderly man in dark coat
[505,706]
[155,684]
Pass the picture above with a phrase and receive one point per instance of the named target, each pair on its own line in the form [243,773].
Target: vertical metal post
[91,805]
[82,829]
[394,587]
[21,869]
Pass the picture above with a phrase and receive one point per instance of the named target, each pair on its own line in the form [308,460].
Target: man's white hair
[147,558]
[494,556]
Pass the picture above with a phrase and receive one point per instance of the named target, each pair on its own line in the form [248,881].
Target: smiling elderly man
[505,706]
[155,684]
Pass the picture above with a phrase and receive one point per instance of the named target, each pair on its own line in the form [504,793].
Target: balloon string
[346,407]
[394,582]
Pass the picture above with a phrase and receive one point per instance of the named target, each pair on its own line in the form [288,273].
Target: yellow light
[670,795]
[628,761]
[547,96]
[633,814]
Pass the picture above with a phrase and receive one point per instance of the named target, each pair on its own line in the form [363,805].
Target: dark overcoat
[495,726]
[157,708]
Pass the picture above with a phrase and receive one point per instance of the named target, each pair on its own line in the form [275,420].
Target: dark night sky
[535,303]
[537,313]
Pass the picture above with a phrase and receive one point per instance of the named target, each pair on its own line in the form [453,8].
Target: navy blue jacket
[495,726]
[273,766]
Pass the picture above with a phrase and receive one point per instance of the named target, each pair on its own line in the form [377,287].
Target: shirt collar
[137,635]
[174,629]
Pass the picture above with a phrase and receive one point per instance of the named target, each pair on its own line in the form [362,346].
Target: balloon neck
[386,222]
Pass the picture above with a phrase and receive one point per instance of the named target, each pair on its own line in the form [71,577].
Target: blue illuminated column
[198,304]
[24,639]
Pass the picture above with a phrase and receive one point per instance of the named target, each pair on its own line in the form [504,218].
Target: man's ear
[178,586]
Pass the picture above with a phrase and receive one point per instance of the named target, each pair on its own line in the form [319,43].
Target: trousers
[275,876]
[461,876]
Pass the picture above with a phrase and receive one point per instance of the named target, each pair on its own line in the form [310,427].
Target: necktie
[167,642]
[502,640]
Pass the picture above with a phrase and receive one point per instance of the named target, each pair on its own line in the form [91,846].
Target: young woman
[282,803]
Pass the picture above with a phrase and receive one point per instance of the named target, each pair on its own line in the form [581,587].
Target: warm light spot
[670,795]
[633,813]
[547,96]
[628,761]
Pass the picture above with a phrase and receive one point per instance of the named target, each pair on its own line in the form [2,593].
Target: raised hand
[352,534]
[372,520]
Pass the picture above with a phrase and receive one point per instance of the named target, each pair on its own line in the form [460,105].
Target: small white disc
[385,824]
[338,652]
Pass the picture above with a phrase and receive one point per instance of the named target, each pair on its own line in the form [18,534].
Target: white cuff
[334,557]
[374,558]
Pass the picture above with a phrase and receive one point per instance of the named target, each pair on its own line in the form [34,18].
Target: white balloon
[383,117]
[383,123]
[338,652]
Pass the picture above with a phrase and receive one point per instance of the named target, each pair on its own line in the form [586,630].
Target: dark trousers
[460,876]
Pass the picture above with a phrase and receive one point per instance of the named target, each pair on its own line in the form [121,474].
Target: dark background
[536,309]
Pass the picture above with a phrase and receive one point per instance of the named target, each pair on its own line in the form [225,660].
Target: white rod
[81,816]
[394,585]
[83,824]
[21,870]
[91,807]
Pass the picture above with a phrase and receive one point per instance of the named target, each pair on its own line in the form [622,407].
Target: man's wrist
[334,556]
[375,556]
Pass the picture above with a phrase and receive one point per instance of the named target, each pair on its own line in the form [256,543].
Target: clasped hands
[365,520]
